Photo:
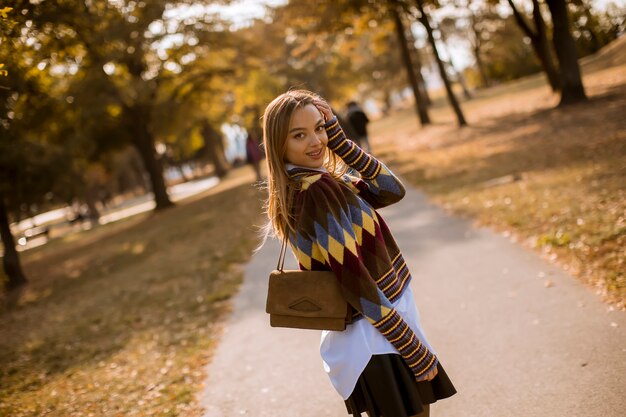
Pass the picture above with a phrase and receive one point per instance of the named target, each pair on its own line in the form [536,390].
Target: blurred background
[130,135]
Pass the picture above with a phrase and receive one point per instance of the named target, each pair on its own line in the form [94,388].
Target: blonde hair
[276,121]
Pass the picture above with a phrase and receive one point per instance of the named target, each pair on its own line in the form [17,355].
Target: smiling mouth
[316,154]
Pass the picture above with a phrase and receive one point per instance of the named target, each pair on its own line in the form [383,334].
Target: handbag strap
[283,250]
[281,256]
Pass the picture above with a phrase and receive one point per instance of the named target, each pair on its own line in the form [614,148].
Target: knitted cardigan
[338,229]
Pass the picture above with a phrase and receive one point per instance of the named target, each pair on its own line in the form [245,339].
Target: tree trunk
[572,89]
[181,171]
[11,259]
[420,108]
[442,71]
[386,102]
[214,149]
[91,197]
[539,42]
[144,143]
[543,48]
[460,78]
[476,49]
[416,63]
[258,128]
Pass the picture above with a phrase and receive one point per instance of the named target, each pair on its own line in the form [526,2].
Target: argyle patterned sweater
[338,229]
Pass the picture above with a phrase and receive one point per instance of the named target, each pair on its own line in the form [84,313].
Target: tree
[420,104]
[593,29]
[572,90]
[343,48]
[101,27]
[318,48]
[30,171]
[501,49]
[442,29]
[10,260]
[586,21]
[477,43]
[423,18]
[34,170]
[31,165]
[211,138]
[539,41]
[86,78]
[417,61]
[125,61]
[4,25]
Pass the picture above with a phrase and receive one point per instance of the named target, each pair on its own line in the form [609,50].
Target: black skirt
[387,387]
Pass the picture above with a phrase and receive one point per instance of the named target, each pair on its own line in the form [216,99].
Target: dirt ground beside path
[550,178]
[120,320]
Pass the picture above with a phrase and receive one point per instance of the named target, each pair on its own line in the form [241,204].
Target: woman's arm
[379,185]
[326,229]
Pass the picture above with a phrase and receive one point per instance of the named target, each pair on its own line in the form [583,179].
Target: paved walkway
[57,220]
[512,346]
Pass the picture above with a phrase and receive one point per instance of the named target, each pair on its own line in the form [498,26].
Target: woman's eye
[319,128]
[298,135]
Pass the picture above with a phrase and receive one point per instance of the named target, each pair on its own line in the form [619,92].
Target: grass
[551,178]
[121,320]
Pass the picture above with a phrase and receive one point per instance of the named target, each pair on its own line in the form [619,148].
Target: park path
[512,345]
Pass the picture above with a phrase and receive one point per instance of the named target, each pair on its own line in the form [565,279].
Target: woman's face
[306,139]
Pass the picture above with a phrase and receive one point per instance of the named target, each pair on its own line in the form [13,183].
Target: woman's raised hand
[324,108]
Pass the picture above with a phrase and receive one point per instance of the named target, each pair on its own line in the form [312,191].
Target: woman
[381,364]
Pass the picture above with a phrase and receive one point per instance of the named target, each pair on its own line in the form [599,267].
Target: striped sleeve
[378,185]
[327,223]
[415,353]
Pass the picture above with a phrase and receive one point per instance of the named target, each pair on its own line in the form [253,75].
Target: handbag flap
[305,294]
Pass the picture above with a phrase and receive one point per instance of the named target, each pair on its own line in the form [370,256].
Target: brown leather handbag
[306,299]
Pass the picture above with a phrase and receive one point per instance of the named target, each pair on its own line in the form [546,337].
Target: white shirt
[346,353]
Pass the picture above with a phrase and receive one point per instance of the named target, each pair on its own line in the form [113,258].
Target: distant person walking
[254,154]
[358,119]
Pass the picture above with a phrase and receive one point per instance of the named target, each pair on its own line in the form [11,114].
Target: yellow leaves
[114,110]
[4,12]
[3,72]
[254,91]
[195,141]
[559,238]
